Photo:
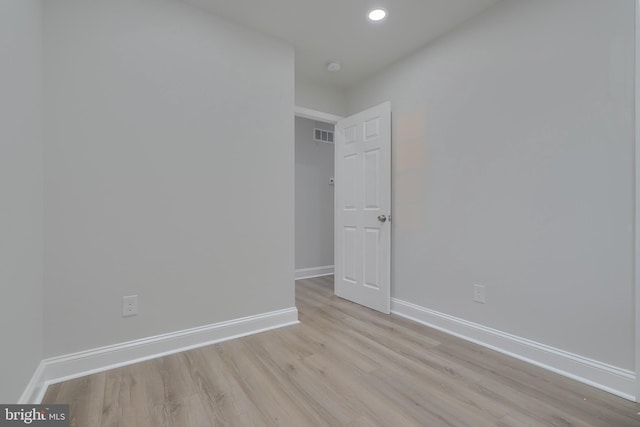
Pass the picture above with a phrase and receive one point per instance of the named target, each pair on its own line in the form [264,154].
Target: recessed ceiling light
[377,15]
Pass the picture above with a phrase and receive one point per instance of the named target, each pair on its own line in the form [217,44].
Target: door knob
[382,218]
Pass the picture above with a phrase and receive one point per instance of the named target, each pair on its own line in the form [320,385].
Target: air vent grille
[322,135]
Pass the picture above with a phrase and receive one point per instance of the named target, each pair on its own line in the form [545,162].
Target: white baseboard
[63,368]
[35,389]
[615,380]
[308,273]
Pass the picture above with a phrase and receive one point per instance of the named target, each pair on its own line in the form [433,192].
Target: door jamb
[308,113]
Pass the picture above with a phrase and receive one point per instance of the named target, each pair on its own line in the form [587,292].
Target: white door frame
[308,113]
[636,263]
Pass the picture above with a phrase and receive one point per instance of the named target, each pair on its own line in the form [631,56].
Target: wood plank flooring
[344,365]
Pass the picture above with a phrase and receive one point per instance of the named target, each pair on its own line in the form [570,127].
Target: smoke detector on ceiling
[334,66]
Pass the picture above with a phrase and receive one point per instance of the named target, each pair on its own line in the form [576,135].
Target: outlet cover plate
[130,305]
[478,294]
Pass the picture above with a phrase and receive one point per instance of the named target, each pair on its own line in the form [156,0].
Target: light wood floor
[344,365]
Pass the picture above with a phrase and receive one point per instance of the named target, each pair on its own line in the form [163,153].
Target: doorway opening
[314,195]
[356,211]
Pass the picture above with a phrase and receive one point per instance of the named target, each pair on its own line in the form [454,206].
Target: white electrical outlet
[478,294]
[130,305]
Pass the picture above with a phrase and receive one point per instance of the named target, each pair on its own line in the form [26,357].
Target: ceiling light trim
[378,14]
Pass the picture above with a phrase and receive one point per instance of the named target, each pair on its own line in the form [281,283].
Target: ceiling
[324,30]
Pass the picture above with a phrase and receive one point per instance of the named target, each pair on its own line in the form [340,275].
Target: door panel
[371,180]
[363,208]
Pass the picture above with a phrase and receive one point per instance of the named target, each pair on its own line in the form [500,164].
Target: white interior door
[363,208]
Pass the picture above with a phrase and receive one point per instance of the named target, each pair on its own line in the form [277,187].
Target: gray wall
[513,168]
[314,197]
[326,99]
[169,137]
[20,195]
